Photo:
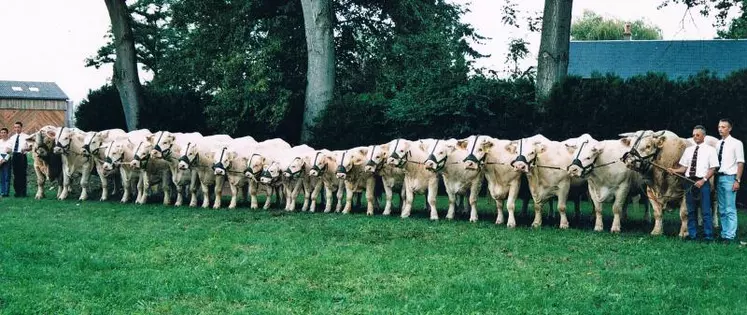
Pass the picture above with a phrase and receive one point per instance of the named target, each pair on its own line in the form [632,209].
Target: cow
[410,156]
[391,176]
[152,171]
[322,166]
[287,168]
[167,146]
[608,178]
[650,154]
[198,157]
[92,149]
[229,163]
[259,157]
[47,166]
[118,155]
[350,169]
[69,145]
[460,169]
[544,162]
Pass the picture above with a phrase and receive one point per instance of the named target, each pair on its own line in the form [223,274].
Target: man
[4,163]
[728,179]
[698,163]
[17,142]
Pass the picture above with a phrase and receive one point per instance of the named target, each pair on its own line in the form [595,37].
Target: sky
[49,40]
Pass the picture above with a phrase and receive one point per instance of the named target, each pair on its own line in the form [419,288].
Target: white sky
[48,40]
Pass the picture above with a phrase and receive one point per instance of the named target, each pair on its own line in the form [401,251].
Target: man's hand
[671,171]
[700,183]
[735,187]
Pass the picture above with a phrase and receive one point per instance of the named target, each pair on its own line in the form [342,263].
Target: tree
[125,66]
[592,26]
[552,60]
[320,72]
[738,26]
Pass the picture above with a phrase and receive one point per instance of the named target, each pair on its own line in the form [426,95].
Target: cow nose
[57,150]
[313,173]
[470,165]
[392,161]
[430,165]
[182,166]
[341,175]
[369,169]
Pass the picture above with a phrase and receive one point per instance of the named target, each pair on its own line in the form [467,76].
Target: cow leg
[474,191]
[166,184]
[562,204]
[537,214]
[193,181]
[234,194]
[493,190]
[268,199]
[432,192]
[141,190]
[329,199]
[598,208]
[657,209]
[340,191]
[179,197]
[683,218]
[205,194]
[104,182]
[513,195]
[407,207]
[306,184]
[452,203]
[288,194]
[388,191]
[219,182]
[314,193]
[84,177]
[65,185]
[126,185]
[370,187]
[40,179]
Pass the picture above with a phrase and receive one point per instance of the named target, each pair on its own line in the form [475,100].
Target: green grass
[93,257]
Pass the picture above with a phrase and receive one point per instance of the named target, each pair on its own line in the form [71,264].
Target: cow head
[141,156]
[271,173]
[478,147]
[92,143]
[64,138]
[348,159]
[399,152]
[222,158]
[39,142]
[254,166]
[189,156]
[318,163]
[376,157]
[644,145]
[295,168]
[585,153]
[438,154]
[162,143]
[114,154]
[526,152]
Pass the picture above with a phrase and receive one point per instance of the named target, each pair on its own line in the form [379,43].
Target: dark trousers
[19,174]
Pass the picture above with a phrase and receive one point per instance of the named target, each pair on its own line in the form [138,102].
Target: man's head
[17,127]
[724,127]
[3,132]
[699,134]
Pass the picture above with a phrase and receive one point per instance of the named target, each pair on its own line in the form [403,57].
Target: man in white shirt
[728,179]
[17,142]
[698,163]
[4,163]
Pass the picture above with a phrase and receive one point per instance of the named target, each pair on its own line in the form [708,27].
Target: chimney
[626,32]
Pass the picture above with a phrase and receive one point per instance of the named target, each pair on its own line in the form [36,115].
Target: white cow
[152,171]
[92,149]
[410,156]
[350,169]
[229,163]
[47,166]
[260,156]
[198,157]
[69,145]
[460,169]
[608,178]
[118,155]
[391,176]
[168,146]
[544,162]
[287,168]
[322,166]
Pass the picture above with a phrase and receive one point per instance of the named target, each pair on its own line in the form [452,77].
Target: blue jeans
[727,206]
[705,206]
[5,178]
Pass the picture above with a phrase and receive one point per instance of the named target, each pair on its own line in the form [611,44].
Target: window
[18,89]
[33,89]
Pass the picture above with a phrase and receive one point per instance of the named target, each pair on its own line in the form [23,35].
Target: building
[675,58]
[36,104]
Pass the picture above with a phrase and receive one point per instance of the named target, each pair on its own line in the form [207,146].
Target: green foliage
[101,110]
[738,27]
[592,26]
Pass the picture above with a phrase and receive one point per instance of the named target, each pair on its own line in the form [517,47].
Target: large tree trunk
[125,66]
[552,63]
[320,74]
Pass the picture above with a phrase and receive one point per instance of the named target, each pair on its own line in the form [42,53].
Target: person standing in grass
[17,143]
[728,179]
[4,163]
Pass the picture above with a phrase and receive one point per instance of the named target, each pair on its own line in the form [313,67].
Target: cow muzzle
[57,150]
[135,164]
[156,154]
[183,165]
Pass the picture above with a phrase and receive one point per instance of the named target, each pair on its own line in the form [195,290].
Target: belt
[724,174]
[695,178]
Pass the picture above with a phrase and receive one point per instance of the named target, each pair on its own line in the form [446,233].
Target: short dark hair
[701,128]
[3,128]
[726,120]
[19,123]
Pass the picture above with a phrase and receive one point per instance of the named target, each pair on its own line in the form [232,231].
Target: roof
[676,58]
[31,90]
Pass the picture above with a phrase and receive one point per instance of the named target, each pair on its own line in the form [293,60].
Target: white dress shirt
[707,158]
[732,154]
[21,142]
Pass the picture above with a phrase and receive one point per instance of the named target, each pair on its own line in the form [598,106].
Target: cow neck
[416,158]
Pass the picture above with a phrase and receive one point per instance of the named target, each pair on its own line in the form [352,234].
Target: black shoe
[725,241]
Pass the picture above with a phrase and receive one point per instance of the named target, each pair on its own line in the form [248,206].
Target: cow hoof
[216,207]
[370,213]
[511,225]
[434,218]
[598,229]
[564,226]
[499,221]
[450,217]
[536,225]
[473,220]
[615,230]
[177,204]
[655,233]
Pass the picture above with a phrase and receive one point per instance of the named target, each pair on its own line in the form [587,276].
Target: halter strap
[471,156]
[440,164]
[316,168]
[219,164]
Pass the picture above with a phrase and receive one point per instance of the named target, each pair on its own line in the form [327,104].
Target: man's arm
[679,170]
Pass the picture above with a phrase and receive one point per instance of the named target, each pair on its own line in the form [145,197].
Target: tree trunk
[320,73]
[125,66]
[552,63]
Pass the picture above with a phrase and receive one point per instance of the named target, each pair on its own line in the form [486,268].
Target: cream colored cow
[410,156]
[350,169]
[47,166]
[391,176]
[167,147]
[92,149]
[287,168]
[69,145]
[198,157]
[322,166]
[117,156]
[260,156]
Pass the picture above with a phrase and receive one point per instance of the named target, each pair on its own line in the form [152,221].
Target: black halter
[641,164]
[521,157]
[143,161]
[40,145]
[266,173]
[58,144]
[585,170]
[219,165]
[297,173]
[109,160]
[371,162]
[471,157]
[87,146]
[315,167]
[185,158]
[402,159]
[249,170]
[165,153]
[440,164]
[340,168]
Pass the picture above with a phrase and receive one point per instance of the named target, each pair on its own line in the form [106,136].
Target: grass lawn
[102,257]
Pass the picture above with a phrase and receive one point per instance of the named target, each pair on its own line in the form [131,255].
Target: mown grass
[93,257]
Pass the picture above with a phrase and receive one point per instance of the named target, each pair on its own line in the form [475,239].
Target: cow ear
[51,133]
[149,138]
[486,144]
[570,147]
[423,146]
[231,155]
[363,151]
[541,147]
[80,137]
[599,147]
[511,148]
[625,141]
[32,137]
[462,144]
[660,141]
[104,134]
[330,159]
